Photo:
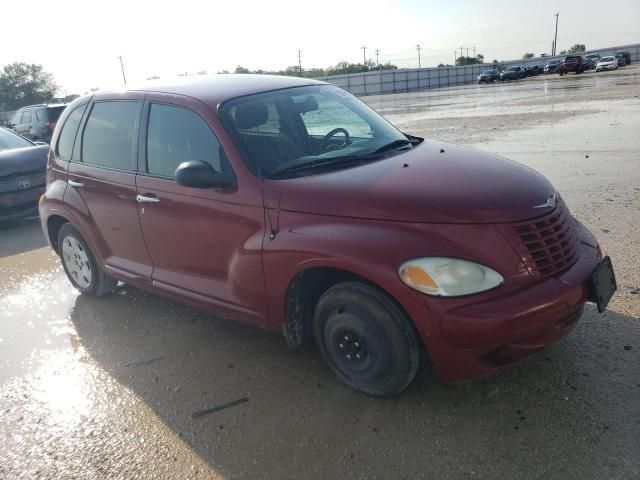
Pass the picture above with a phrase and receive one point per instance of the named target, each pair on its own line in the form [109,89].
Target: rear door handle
[147,199]
[75,184]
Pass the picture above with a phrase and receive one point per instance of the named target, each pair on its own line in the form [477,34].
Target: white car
[607,63]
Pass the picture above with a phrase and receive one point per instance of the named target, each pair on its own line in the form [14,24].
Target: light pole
[555,40]
[122,68]
[364,55]
[418,47]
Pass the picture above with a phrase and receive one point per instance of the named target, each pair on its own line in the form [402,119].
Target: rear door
[102,191]
[25,124]
[206,244]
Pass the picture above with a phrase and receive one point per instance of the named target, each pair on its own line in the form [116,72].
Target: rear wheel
[366,340]
[80,264]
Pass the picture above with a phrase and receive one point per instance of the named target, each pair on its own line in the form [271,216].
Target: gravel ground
[106,388]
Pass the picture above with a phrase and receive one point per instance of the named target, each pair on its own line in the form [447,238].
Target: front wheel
[80,264]
[366,339]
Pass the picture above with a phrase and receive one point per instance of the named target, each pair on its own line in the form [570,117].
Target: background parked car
[571,63]
[589,63]
[36,122]
[488,76]
[626,56]
[593,59]
[22,175]
[607,63]
[552,66]
[514,72]
[622,60]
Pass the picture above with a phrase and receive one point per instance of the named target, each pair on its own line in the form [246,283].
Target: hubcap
[77,262]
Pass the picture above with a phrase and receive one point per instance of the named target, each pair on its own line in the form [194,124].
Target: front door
[101,186]
[205,244]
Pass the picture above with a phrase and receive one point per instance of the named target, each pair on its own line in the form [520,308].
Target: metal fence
[414,79]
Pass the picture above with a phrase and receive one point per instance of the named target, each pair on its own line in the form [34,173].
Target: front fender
[373,250]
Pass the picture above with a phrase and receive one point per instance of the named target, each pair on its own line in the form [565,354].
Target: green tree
[240,69]
[470,60]
[25,84]
[578,48]
[527,55]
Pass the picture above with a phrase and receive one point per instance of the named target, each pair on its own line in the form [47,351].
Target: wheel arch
[304,291]
[54,224]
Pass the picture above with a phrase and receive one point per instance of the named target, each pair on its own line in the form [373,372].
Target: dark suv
[291,205]
[36,122]
[572,63]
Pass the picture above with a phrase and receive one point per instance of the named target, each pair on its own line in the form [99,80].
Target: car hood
[23,160]
[433,183]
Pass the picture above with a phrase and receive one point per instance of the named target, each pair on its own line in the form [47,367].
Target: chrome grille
[550,242]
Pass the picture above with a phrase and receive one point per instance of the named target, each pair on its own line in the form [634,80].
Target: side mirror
[199,174]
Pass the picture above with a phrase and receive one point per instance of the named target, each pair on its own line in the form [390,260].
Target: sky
[79,42]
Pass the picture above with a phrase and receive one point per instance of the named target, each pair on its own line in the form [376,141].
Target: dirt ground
[106,388]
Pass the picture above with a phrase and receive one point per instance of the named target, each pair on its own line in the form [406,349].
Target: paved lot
[106,388]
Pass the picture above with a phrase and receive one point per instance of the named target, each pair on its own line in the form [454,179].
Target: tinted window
[177,135]
[26,117]
[54,113]
[68,133]
[108,134]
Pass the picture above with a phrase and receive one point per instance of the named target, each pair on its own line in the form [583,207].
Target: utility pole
[461,47]
[418,47]
[122,68]
[555,40]
[454,57]
[300,61]
[378,59]
[474,52]
[467,52]
[364,55]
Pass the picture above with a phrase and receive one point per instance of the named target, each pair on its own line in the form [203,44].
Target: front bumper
[19,204]
[484,338]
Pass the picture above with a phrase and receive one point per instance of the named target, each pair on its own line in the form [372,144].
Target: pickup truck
[572,63]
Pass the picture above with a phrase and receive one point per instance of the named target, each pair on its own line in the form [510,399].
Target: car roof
[215,89]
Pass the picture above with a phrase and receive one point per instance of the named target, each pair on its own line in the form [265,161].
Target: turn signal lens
[448,277]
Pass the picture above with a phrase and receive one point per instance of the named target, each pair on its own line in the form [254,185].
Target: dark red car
[291,205]
[572,63]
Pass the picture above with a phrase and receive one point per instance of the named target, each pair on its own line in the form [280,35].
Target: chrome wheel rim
[77,262]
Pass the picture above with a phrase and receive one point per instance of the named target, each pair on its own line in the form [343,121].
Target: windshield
[9,140]
[513,68]
[488,72]
[607,59]
[300,129]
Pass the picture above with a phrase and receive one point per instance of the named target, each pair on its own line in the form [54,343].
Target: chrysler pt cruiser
[291,205]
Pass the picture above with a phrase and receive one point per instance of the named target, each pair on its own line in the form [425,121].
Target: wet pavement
[106,388]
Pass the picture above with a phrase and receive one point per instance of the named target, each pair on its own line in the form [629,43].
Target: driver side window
[176,135]
[332,114]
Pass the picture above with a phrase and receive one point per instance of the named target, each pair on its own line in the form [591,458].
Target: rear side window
[108,134]
[54,113]
[26,116]
[17,119]
[68,132]
[41,115]
[177,135]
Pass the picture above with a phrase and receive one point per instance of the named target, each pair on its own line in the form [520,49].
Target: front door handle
[146,199]
[75,184]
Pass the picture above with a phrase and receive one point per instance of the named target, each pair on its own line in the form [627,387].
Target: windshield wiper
[345,161]
[401,142]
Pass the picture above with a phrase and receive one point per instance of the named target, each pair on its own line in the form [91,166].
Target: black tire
[99,283]
[366,340]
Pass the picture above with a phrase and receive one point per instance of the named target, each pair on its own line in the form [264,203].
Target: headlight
[448,277]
